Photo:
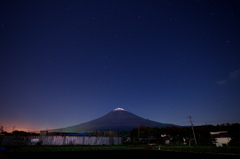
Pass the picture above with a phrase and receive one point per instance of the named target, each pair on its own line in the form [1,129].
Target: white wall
[60,140]
[222,140]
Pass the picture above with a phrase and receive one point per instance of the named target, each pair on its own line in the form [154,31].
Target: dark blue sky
[67,62]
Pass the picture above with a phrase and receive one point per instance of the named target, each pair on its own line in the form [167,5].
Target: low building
[221,138]
[43,133]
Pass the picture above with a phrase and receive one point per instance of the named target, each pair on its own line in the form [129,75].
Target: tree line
[170,135]
[184,135]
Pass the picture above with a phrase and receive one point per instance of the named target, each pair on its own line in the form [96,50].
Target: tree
[234,133]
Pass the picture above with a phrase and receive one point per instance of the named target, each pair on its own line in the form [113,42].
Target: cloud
[232,75]
[222,82]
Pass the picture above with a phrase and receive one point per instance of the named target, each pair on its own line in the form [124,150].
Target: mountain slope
[116,120]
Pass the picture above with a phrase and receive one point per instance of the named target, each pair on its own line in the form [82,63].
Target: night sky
[63,63]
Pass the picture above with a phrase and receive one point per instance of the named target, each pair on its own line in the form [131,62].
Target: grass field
[202,149]
[120,151]
[71,148]
[68,148]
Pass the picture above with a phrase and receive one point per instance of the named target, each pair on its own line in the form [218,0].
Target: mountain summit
[116,120]
[117,109]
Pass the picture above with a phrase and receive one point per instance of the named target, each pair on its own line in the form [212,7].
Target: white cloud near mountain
[232,75]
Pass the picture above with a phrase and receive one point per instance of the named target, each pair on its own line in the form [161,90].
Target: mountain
[116,120]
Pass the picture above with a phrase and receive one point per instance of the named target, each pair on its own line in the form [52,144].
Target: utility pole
[1,129]
[138,135]
[13,128]
[190,118]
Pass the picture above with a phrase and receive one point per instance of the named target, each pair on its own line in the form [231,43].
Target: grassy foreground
[67,148]
[76,148]
[202,149]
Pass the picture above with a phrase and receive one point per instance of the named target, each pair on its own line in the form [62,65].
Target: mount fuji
[116,120]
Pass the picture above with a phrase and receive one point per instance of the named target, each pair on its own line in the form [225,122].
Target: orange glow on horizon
[21,126]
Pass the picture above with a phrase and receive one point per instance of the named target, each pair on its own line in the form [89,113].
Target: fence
[59,140]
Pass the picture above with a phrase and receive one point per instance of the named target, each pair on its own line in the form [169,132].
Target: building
[43,133]
[221,138]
